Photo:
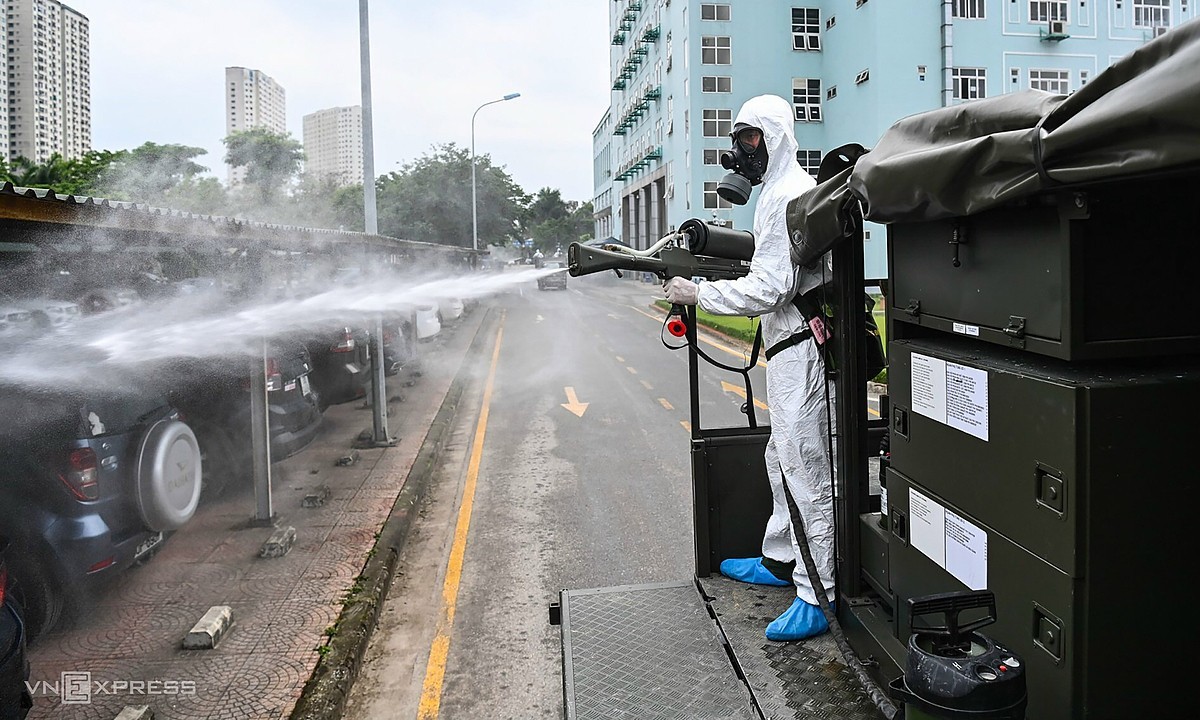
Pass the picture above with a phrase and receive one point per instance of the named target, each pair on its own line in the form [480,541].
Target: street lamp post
[474,210]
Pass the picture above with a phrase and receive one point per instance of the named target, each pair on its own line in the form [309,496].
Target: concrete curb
[325,694]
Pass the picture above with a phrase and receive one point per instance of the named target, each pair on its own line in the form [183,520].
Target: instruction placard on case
[952,541]
[950,393]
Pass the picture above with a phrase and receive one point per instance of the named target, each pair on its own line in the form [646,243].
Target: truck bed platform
[695,650]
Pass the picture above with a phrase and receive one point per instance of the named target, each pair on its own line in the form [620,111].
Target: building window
[718,122]
[714,11]
[969,9]
[715,50]
[712,199]
[831,93]
[1046,10]
[810,160]
[806,29]
[1151,13]
[716,84]
[1083,77]
[806,98]
[712,156]
[969,83]
[1055,81]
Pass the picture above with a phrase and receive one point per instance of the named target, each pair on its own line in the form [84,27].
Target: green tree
[150,172]
[84,175]
[429,199]
[272,160]
[24,172]
[202,195]
[553,222]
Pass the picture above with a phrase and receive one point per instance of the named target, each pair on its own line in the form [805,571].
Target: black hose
[878,696]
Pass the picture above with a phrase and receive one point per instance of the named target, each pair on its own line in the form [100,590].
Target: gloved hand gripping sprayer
[696,249]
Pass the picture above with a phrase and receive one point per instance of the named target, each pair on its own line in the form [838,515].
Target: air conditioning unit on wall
[1161,30]
[1058,27]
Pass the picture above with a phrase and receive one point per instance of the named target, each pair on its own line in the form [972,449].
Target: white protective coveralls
[798,448]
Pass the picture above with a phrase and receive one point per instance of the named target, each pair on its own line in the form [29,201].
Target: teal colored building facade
[680,70]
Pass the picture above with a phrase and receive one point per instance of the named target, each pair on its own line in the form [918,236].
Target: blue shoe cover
[750,570]
[799,621]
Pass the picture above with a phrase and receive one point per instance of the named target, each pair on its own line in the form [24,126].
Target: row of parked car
[95,477]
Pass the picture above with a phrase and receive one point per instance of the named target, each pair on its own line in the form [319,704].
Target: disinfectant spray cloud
[210,326]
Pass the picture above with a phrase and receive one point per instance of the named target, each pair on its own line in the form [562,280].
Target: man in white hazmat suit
[798,450]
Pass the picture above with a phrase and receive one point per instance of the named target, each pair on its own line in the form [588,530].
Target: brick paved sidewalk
[281,606]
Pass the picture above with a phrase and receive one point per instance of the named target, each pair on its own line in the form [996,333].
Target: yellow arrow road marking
[573,405]
[741,392]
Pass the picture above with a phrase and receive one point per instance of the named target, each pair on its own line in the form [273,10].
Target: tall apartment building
[851,68]
[333,147]
[47,83]
[252,99]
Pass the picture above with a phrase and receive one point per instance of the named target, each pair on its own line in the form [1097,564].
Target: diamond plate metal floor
[646,652]
[805,680]
[654,651]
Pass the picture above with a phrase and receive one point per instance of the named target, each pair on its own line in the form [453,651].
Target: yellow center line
[686,425]
[664,403]
[435,671]
[647,385]
[632,370]
[620,359]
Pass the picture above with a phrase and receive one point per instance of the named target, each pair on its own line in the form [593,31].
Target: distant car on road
[556,280]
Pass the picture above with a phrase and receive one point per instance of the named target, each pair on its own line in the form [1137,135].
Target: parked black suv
[215,398]
[15,701]
[91,483]
[341,364]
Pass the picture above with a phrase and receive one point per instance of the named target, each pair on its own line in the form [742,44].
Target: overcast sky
[158,73]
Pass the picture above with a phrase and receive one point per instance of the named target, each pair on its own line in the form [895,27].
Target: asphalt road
[582,480]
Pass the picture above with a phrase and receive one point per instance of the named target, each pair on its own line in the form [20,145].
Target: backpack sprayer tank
[953,672]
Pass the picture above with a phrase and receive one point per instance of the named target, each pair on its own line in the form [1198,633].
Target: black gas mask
[746,165]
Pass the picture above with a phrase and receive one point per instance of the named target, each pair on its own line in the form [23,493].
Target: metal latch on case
[1016,326]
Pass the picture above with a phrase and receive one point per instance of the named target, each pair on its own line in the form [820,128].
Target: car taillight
[346,344]
[274,378]
[3,583]
[81,476]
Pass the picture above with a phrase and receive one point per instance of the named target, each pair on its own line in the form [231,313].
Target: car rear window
[31,413]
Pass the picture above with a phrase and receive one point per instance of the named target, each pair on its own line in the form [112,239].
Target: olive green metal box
[1064,489]
[1096,272]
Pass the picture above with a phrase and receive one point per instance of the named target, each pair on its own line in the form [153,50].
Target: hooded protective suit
[798,448]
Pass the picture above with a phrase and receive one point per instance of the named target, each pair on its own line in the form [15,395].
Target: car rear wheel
[97,301]
[220,465]
[169,477]
[41,603]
